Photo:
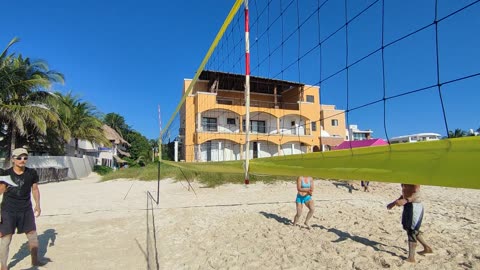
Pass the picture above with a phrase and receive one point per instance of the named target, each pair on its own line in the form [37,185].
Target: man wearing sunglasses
[17,212]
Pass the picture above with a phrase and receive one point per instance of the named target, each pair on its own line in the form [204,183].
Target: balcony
[255,128]
[258,103]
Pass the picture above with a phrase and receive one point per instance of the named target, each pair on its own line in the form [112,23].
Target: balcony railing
[258,103]
[270,130]
[210,127]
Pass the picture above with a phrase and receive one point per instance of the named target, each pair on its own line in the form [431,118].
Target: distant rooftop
[362,143]
[416,135]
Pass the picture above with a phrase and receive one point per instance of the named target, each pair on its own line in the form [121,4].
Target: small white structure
[109,156]
[85,148]
[471,132]
[353,133]
[419,137]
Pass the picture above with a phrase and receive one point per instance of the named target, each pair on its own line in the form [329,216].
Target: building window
[256,126]
[209,124]
[334,122]
[310,98]
[314,126]
[230,121]
[359,136]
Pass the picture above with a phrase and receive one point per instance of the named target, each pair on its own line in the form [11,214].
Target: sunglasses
[21,158]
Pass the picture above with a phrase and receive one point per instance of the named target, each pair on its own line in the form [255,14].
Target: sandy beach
[87,224]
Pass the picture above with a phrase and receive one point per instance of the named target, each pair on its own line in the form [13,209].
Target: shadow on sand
[45,240]
[347,185]
[342,236]
[278,218]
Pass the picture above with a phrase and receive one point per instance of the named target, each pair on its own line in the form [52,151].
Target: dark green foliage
[457,133]
[139,146]
[102,170]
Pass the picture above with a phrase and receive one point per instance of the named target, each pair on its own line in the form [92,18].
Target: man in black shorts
[17,212]
[412,217]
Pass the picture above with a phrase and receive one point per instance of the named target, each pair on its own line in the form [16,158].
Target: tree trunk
[13,141]
[76,147]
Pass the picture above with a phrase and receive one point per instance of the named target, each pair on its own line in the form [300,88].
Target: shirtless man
[412,219]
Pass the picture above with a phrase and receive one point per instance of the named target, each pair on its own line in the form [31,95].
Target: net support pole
[247,94]
[159,154]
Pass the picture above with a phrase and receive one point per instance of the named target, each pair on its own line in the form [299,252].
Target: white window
[209,124]
[256,126]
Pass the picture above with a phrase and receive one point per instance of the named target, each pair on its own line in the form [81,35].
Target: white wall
[266,149]
[77,167]
[220,150]
[292,148]
[84,148]
[270,121]
[287,128]
[222,116]
[231,151]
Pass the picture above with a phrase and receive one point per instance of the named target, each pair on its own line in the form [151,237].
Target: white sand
[88,224]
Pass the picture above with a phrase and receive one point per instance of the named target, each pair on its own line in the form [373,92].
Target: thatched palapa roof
[123,153]
[119,160]
[113,135]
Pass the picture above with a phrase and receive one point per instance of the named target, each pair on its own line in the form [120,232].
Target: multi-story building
[284,119]
[353,133]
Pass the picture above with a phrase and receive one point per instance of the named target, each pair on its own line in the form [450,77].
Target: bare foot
[410,260]
[307,226]
[425,251]
[41,262]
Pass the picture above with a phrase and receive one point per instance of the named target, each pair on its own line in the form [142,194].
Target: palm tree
[117,122]
[457,133]
[23,95]
[81,119]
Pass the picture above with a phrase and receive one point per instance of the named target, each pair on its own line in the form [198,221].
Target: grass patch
[208,179]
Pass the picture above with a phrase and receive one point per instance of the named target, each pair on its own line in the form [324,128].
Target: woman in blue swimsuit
[304,196]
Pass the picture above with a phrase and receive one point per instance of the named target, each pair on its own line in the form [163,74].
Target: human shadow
[347,185]
[342,236]
[278,218]
[45,240]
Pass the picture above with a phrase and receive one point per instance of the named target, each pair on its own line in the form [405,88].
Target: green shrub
[102,170]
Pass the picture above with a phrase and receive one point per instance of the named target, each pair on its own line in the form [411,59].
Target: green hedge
[102,170]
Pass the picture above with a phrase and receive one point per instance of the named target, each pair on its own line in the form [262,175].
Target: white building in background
[419,137]
[85,148]
[472,132]
[353,133]
[110,156]
[107,156]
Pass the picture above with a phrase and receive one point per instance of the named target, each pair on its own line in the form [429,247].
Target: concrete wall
[77,167]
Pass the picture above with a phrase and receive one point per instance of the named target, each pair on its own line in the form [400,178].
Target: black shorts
[412,217]
[23,221]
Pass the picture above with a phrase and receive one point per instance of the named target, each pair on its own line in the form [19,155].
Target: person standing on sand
[365,185]
[305,188]
[17,212]
[412,217]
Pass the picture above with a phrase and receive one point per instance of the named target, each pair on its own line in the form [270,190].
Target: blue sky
[129,56]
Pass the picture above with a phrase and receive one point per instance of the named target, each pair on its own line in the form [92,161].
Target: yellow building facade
[285,118]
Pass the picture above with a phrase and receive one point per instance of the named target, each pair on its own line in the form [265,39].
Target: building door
[209,150]
[255,150]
